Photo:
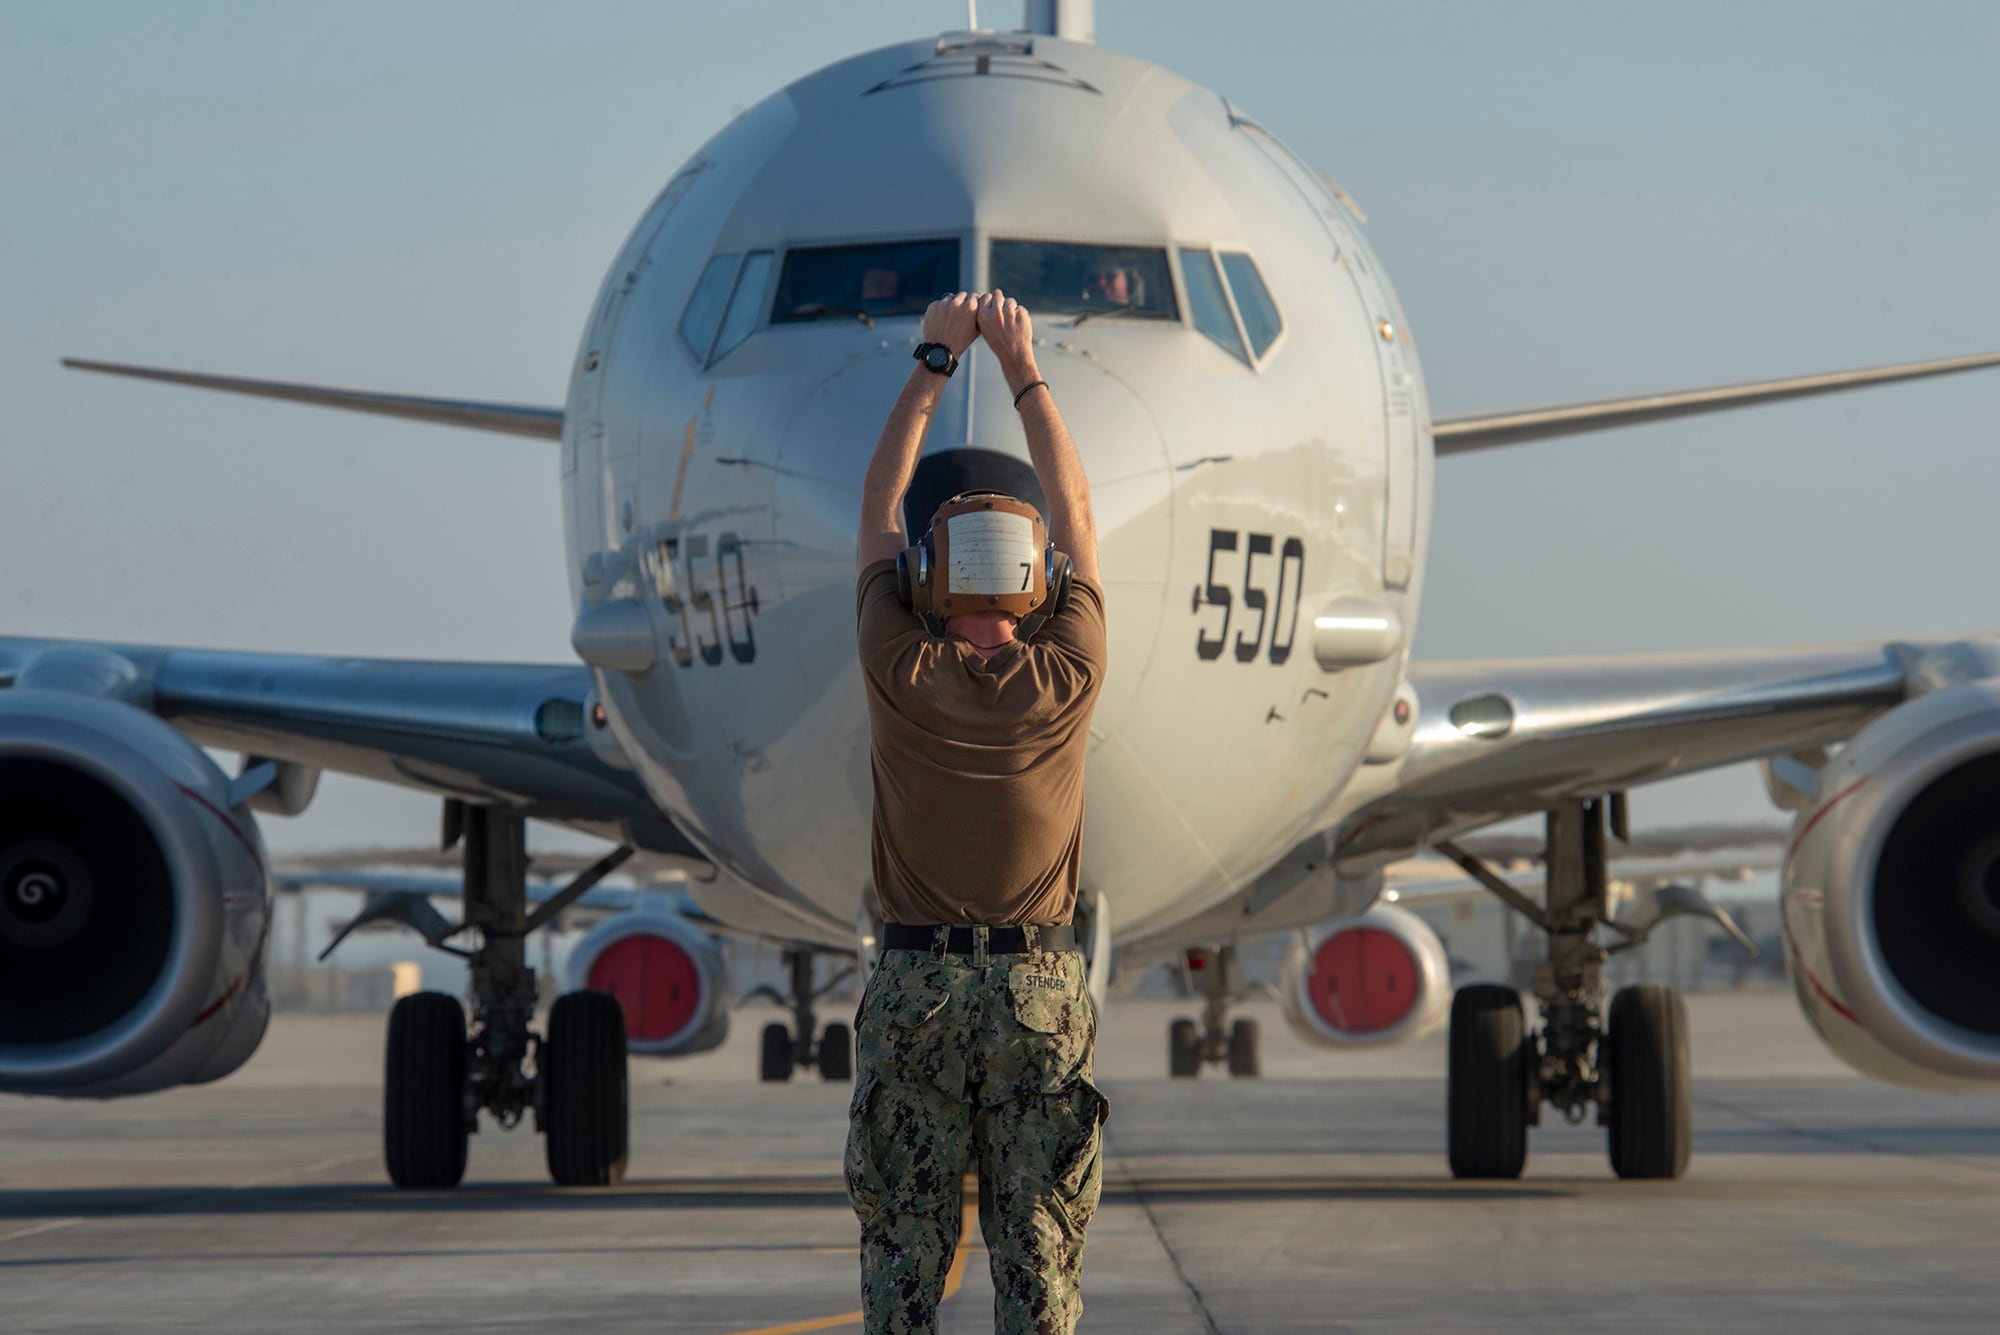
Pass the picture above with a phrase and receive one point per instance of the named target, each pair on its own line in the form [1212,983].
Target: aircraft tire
[585,1109]
[1487,1073]
[836,1053]
[774,1061]
[424,1123]
[1650,1118]
[1245,1050]
[1183,1050]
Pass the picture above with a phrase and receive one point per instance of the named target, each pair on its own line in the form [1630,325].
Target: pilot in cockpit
[1112,287]
[879,285]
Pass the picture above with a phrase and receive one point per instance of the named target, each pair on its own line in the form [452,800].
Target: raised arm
[952,321]
[1004,324]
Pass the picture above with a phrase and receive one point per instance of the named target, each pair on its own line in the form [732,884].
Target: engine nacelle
[134,904]
[1378,978]
[666,972]
[1891,904]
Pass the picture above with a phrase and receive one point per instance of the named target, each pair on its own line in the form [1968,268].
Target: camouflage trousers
[982,1067]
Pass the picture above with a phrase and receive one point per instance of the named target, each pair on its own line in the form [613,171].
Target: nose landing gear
[1633,1070]
[1217,976]
[440,1072]
[787,1048]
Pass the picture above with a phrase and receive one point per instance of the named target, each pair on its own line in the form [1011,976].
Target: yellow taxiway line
[967,1226]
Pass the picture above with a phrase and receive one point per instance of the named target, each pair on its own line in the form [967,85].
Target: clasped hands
[963,318]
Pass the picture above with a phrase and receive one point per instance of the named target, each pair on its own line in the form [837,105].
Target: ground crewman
[983,656]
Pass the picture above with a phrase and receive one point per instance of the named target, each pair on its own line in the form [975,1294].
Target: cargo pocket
[1079,1113]
[864,1182]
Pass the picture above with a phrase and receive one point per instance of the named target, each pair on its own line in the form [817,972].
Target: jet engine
[1891,903]
[666,972]
[1367,981]
[134,903]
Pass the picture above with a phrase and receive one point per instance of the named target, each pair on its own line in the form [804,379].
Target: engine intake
[132,903]
[1892,894]
[1937,897]
[86,904]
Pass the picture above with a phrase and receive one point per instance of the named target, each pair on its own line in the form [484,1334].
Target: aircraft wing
[512,735]
[514,419]
[1435,884]
[598,899]
[1483,431]
[1501,739]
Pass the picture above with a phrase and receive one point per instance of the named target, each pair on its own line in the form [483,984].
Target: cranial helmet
[985,551]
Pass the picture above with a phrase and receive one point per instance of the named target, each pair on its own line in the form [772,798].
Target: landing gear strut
[441,1073]
[1217,976]
[1634,1071]
[787,1048]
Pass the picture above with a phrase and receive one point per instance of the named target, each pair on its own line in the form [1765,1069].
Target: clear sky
[1573,201]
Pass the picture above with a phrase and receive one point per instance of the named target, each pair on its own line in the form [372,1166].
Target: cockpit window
[867,283]
[1209,303]
[1058,278]
[1253,300]
[744,303]
[704,308]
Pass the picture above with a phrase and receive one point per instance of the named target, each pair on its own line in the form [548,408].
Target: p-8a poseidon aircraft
[1247,398]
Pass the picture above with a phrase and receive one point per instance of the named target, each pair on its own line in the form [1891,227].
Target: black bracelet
[1032,384]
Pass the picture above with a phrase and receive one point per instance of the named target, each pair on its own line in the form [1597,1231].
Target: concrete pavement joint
[1173,1258]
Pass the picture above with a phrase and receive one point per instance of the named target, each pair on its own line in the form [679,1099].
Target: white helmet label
[991,552]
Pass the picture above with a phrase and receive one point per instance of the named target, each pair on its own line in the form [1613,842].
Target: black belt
[999,940]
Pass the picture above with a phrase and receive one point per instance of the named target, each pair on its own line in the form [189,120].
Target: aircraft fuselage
[712,475]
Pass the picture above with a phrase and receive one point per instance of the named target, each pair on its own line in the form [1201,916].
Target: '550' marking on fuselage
[705,621]
[1275,618]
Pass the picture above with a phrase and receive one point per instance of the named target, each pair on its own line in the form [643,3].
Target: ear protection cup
[914,566]
[915,573]
[1059,577]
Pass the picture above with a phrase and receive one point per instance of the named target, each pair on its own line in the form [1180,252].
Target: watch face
[937,357]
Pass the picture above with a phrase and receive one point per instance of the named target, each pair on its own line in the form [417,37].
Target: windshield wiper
[819,310]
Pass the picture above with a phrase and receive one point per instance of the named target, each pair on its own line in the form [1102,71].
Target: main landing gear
[1217,976]
[791,1047]
[1631,1067]
[441,1071]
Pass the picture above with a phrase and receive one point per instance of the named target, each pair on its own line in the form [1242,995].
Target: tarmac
[1314,1199]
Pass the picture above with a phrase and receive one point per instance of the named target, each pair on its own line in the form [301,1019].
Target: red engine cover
[668,975]
[1362,980]
[654,979]
[1367,981]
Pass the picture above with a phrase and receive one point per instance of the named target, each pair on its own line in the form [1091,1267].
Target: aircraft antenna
[1072,20]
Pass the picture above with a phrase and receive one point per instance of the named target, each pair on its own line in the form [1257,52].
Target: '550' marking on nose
[706,621]
[1277,609]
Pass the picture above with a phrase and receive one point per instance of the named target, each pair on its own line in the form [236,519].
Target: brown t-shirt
[978,763]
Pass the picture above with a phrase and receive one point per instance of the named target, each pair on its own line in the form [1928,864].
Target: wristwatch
[936,357]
